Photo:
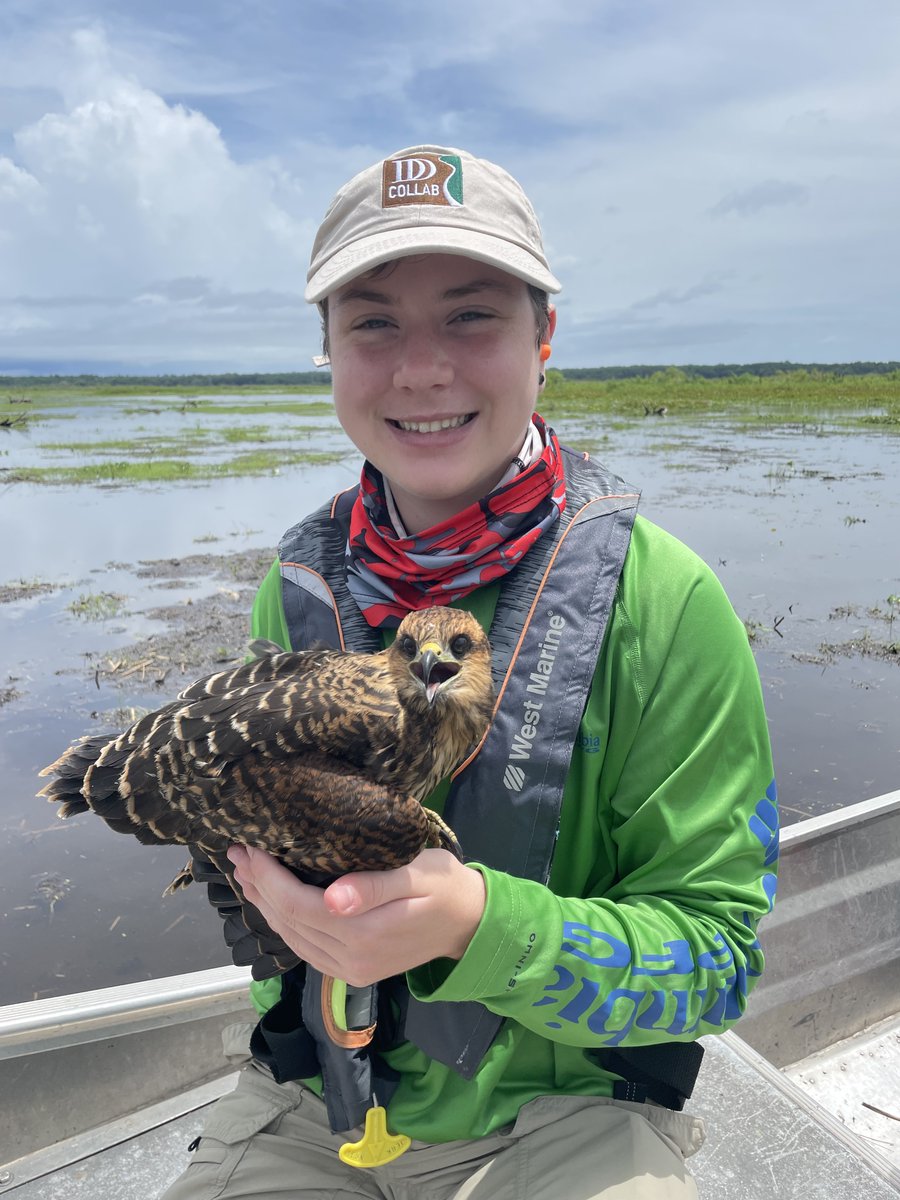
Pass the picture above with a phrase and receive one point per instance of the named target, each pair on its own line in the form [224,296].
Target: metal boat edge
[175,1022]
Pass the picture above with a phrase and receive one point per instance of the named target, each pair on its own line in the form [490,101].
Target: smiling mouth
[433,426]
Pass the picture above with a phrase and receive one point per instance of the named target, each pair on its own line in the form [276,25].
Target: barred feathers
[320,757]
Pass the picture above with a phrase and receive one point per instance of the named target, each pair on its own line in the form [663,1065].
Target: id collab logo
[422,179]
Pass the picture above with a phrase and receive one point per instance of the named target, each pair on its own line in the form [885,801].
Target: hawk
[320,757]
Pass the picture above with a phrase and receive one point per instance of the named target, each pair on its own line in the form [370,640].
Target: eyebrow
[477,285]
[363,294]
[369,296]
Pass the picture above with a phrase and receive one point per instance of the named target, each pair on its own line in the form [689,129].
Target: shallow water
[80,434]
[799,524]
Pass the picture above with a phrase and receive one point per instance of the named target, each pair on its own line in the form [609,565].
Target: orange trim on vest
[348,1039]
[515,654]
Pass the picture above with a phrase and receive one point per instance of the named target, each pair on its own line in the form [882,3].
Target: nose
[422,363]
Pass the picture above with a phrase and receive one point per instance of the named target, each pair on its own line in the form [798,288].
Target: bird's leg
[440,835]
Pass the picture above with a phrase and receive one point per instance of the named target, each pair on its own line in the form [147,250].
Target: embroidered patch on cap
[422,179]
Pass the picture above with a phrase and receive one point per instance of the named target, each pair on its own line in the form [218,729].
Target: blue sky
[716,183]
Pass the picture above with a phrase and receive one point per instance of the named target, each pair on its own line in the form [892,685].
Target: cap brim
[368,252]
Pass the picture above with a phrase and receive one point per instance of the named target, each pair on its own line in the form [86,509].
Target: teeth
[432,426]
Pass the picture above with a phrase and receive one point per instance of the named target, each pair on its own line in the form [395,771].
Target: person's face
[435,371]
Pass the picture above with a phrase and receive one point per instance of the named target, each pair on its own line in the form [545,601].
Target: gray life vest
[546,634]
[504,803]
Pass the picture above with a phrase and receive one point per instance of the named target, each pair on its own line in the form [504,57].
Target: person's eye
[471,316]
[372,323]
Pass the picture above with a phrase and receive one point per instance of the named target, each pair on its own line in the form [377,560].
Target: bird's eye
[460,645]
[407,646]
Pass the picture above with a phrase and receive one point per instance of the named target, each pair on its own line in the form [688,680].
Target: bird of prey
[319,757]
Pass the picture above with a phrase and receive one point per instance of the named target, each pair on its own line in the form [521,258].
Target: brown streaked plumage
[320,757]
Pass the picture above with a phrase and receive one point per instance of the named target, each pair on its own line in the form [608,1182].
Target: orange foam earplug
[545,351]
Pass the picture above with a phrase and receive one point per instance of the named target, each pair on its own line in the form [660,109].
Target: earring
[542,379]
[545,351]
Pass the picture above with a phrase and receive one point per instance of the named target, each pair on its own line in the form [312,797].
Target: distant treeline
[230,380]
[234,379]
[723,370]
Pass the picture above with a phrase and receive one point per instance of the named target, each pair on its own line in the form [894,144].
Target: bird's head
[442,654]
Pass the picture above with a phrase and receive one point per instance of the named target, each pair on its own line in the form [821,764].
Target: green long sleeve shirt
[665,861]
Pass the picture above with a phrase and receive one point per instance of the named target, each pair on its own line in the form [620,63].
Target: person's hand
[368,925]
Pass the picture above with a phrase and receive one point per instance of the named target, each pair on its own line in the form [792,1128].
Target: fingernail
[342,898]
[238,856]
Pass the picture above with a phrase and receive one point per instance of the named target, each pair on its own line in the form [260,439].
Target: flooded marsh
[117,590]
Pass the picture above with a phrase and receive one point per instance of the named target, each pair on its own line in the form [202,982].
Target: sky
[716,183]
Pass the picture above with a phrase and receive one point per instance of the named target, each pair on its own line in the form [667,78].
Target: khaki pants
[268,1141]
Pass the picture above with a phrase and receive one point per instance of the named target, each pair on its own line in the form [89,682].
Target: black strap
[665,1073]
[280,1041]
[283,1042]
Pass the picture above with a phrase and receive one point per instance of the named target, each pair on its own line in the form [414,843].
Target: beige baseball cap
[428,200]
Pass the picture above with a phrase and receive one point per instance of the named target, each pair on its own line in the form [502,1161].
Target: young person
[538,1005]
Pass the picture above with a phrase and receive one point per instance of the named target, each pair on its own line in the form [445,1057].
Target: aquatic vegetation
[180,423]
[98,606]
[23,589]
[787,397]
[864,646]
[254,462]
[50,887]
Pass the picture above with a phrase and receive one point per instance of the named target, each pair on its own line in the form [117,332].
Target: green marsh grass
[793,397]
[195,439]
[24,589]
[788,396]
[254,462]
[97,606]
[819,400]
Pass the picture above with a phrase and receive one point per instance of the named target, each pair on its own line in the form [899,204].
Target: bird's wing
[346,707]
[270,662]
[251,942]
[282,764]
[227,689]
[343,706]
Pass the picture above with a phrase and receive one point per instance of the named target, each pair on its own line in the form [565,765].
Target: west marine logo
[422,179]
[532,710]
[513,778]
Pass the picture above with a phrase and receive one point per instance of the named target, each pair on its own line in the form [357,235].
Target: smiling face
[435,371]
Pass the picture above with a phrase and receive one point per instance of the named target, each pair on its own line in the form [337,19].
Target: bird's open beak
[433,668]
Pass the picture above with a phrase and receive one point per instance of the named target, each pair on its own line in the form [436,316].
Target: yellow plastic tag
[377,1146]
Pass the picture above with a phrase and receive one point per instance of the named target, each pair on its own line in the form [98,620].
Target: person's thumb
[360,892]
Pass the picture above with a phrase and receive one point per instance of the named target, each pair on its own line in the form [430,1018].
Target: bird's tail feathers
[69,772]
[67,808]
[73,762]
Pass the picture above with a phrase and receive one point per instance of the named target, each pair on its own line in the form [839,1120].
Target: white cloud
[722,176]
[122,189]
[752,200]
[16,185]
[671,296]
